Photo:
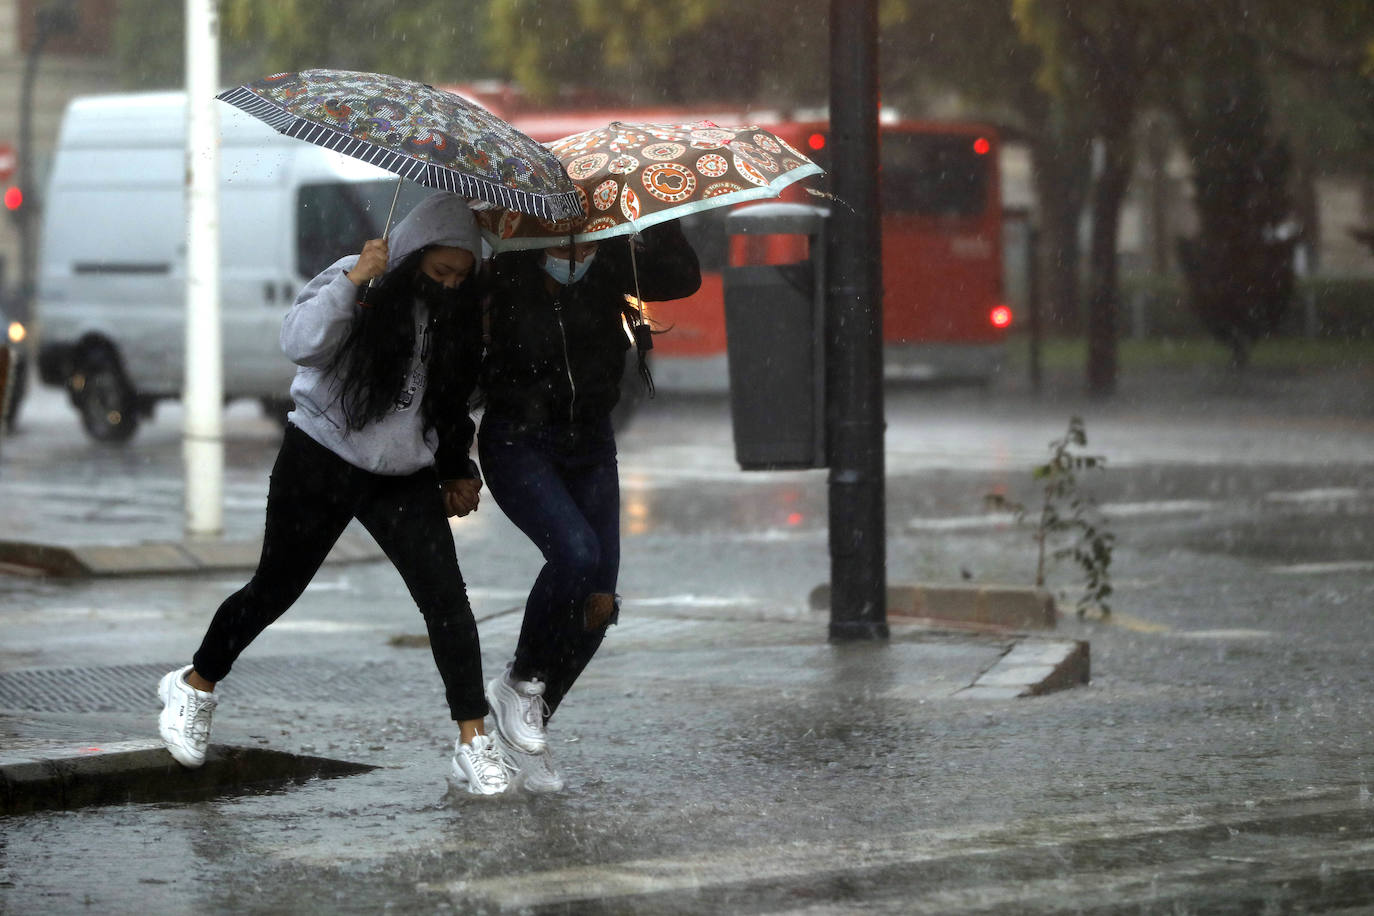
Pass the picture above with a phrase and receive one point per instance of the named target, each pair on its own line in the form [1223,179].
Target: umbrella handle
[386,232]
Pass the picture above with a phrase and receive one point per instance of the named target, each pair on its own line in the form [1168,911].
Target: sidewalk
[69,736]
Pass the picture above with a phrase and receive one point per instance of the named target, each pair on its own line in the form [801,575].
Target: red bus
[944,312]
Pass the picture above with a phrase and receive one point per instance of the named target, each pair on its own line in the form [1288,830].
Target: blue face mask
[558,268]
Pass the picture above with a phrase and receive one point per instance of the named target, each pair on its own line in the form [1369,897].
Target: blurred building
[75,57]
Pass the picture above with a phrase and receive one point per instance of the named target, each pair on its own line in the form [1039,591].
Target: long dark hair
[373,362]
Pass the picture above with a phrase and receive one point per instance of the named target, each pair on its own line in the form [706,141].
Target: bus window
[335,219]
[934,174]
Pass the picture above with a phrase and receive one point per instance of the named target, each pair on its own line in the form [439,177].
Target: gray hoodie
[319,322]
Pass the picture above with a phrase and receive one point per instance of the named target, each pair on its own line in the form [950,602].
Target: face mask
[558,267]
[432,291]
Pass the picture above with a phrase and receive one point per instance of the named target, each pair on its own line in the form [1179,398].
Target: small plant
[1069,522]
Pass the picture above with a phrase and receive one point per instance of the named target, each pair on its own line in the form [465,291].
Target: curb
[1001,607]
[1033,667]
[143,771]
[158,557]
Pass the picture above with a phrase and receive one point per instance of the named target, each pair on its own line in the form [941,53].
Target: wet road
[1219,762]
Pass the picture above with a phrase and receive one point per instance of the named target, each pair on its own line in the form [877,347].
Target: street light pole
[203,395]
[854,327]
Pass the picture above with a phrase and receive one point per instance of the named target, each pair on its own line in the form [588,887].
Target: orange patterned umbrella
[633,176]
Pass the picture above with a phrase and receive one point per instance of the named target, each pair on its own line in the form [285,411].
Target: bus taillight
[1000,316]
[816,141]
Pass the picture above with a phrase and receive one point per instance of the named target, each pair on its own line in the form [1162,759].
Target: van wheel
[105,399]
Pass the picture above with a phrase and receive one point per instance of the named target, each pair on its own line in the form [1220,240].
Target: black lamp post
[858,541]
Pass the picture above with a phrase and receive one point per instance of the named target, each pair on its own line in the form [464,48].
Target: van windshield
[334,219]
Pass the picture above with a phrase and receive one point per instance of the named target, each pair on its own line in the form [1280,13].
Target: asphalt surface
[721,754]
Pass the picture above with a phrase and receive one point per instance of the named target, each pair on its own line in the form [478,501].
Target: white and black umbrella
[423,134]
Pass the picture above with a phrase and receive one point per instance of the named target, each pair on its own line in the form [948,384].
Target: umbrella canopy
[633,176]
[426,135]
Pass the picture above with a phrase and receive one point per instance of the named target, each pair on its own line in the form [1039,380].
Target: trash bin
[775,335]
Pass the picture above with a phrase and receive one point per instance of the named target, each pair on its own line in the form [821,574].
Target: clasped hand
[461,496]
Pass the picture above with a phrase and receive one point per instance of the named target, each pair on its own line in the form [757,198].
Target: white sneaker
[519,709]
[480,766]
[535,772]
[185,720]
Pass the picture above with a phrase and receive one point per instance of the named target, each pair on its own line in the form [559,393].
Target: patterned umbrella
[633,176]
[429,136]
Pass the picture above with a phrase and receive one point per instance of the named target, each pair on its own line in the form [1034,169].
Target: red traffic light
[1000,316]
[816,141]
[14,198]
[981,146]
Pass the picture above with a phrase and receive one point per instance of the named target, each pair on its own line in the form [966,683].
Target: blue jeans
[559,484]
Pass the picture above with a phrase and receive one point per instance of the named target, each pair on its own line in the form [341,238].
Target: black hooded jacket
[559,358]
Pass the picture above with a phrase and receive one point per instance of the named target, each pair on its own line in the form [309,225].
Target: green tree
[419,39]
[1102,55]
[646,51]
[1240,267]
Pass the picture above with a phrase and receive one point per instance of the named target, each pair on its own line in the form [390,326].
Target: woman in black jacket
[558,323]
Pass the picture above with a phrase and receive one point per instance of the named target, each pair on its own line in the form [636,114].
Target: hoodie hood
[440,219]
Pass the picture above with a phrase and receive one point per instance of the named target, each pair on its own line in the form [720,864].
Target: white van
[110,308]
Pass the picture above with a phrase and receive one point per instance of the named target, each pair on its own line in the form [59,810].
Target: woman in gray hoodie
[383,341]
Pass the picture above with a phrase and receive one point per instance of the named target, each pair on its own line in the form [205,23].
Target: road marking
[963,522]
[1133,624]
[1158,507]
[1222,634]
[1323,569]
[711,601]
[1318,495]
[307,625]
[1147,886]
[1109,511]
[804,860]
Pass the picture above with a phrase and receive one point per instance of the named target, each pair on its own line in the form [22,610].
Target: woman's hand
[460,496]
[371,262]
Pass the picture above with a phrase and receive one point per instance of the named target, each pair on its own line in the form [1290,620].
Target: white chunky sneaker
[185,720]
[534,772]
[480,766]
[519,710]
[540,775]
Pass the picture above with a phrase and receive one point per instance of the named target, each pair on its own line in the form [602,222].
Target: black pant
[312,497]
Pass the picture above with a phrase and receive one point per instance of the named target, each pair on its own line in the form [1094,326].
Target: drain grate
[133,688]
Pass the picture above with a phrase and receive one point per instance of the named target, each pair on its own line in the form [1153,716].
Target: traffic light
[14,202]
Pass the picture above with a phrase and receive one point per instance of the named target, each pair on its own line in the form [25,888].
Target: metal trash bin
[775,336]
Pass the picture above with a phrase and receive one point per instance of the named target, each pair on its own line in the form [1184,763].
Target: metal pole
[1033,301]
[28,199]
[858,537]
[202,435]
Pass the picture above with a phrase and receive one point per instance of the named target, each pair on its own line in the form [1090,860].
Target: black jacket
[453,374]
[559,358]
